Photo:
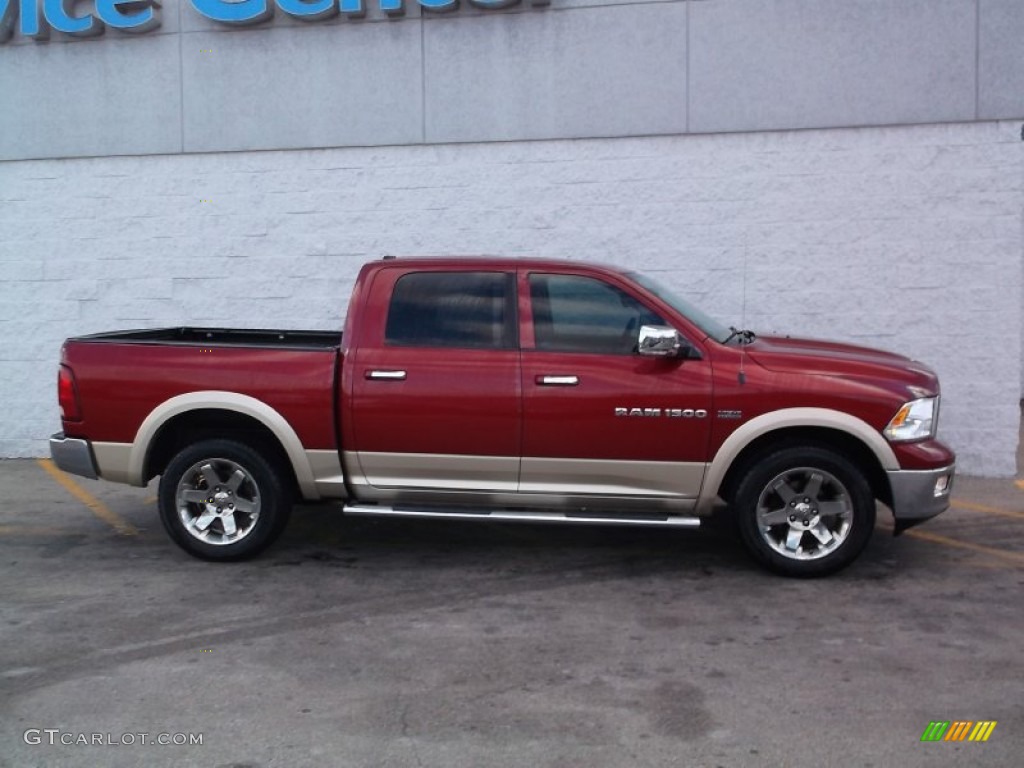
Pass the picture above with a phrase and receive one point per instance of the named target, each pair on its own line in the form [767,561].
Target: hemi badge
[730,414]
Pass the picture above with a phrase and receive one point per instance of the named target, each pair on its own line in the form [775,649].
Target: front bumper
[918,495]
[73,455]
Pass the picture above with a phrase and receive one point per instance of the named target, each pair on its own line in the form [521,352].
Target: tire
[221,500]
[804,511]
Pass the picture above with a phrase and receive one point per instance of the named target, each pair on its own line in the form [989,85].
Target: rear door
[436,393]
[599,420]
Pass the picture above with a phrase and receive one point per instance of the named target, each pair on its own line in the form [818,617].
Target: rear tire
[804,511]
[222,500]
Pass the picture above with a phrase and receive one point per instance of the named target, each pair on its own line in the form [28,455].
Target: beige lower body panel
[113,462]
[603,477]
[328,476]
[558,484]
[430,471]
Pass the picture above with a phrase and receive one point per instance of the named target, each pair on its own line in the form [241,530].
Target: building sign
[35,18]
[254,11]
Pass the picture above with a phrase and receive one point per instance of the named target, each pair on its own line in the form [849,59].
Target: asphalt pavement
[356,642]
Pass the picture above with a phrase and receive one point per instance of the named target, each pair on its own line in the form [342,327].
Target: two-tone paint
[517,428]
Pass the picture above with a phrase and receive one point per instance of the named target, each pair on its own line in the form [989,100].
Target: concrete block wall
[906,238]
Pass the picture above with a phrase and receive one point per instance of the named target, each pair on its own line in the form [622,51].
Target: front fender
[787,418]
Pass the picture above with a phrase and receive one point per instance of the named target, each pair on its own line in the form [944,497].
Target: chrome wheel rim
[804,513]
[218,501]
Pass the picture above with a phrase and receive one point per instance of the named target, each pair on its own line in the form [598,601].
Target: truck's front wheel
[221,500]
[804,511]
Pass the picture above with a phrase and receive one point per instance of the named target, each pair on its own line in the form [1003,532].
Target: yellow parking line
[1016,557]
[101,510]
[986,509]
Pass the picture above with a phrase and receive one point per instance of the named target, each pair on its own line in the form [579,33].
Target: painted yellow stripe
[991,726]
[1016,557]
[984,508]
[98,508]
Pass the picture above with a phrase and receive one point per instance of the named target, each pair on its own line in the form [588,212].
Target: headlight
[916,420]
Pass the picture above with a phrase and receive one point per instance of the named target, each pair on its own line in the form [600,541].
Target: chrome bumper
[918,495]
[73,455]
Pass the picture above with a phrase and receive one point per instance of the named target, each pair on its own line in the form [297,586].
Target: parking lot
[389,643]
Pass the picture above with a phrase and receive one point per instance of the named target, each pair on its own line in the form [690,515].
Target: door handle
[558,381]
[386,375]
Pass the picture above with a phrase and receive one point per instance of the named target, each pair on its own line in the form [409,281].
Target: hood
[828,358]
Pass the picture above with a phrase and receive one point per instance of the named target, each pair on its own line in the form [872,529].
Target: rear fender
[225,401]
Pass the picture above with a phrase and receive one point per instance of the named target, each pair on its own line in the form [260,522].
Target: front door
[600,421]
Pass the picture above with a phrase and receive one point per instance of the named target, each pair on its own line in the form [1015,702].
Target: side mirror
[662,341]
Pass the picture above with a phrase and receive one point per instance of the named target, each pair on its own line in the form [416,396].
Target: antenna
[741,377]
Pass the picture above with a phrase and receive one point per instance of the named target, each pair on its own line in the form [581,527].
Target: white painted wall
[906,238]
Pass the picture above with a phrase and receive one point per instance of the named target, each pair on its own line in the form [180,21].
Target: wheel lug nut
[807,522]
[792,518]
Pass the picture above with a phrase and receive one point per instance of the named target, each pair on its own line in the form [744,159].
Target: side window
[581,314]
[451,309]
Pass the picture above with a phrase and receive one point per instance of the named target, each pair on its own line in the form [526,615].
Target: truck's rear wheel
[804,511]
[221,500]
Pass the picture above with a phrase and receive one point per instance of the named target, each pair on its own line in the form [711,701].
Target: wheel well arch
[830,438]
[197,415]
[192,426]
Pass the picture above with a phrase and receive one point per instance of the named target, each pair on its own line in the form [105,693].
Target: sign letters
[35,18]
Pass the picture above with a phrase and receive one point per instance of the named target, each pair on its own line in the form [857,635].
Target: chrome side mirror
[660,341]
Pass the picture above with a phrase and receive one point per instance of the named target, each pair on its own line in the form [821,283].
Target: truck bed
[123,376]
[235,337]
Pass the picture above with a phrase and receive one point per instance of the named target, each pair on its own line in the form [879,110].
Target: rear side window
[452,309]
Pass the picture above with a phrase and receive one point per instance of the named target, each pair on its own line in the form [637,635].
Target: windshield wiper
[744,336]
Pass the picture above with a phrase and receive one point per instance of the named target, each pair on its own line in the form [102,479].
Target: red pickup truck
[511,390]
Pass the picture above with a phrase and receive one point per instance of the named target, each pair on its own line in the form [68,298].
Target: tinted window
[581,314]
[450,309]
[705,322]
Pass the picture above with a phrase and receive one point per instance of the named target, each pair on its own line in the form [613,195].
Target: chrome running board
[519,516]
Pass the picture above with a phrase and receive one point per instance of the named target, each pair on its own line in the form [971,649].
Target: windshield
[706,323]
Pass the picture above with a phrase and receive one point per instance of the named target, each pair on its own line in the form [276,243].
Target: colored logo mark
[958,730]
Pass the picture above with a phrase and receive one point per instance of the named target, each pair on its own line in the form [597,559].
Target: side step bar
[517,516]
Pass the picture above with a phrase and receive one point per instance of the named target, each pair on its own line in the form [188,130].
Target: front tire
[804,511]
[221,500]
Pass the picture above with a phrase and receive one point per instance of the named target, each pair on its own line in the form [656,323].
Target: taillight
[67,395]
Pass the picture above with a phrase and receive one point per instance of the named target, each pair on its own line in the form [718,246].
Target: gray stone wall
[907,238]
[576,69]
